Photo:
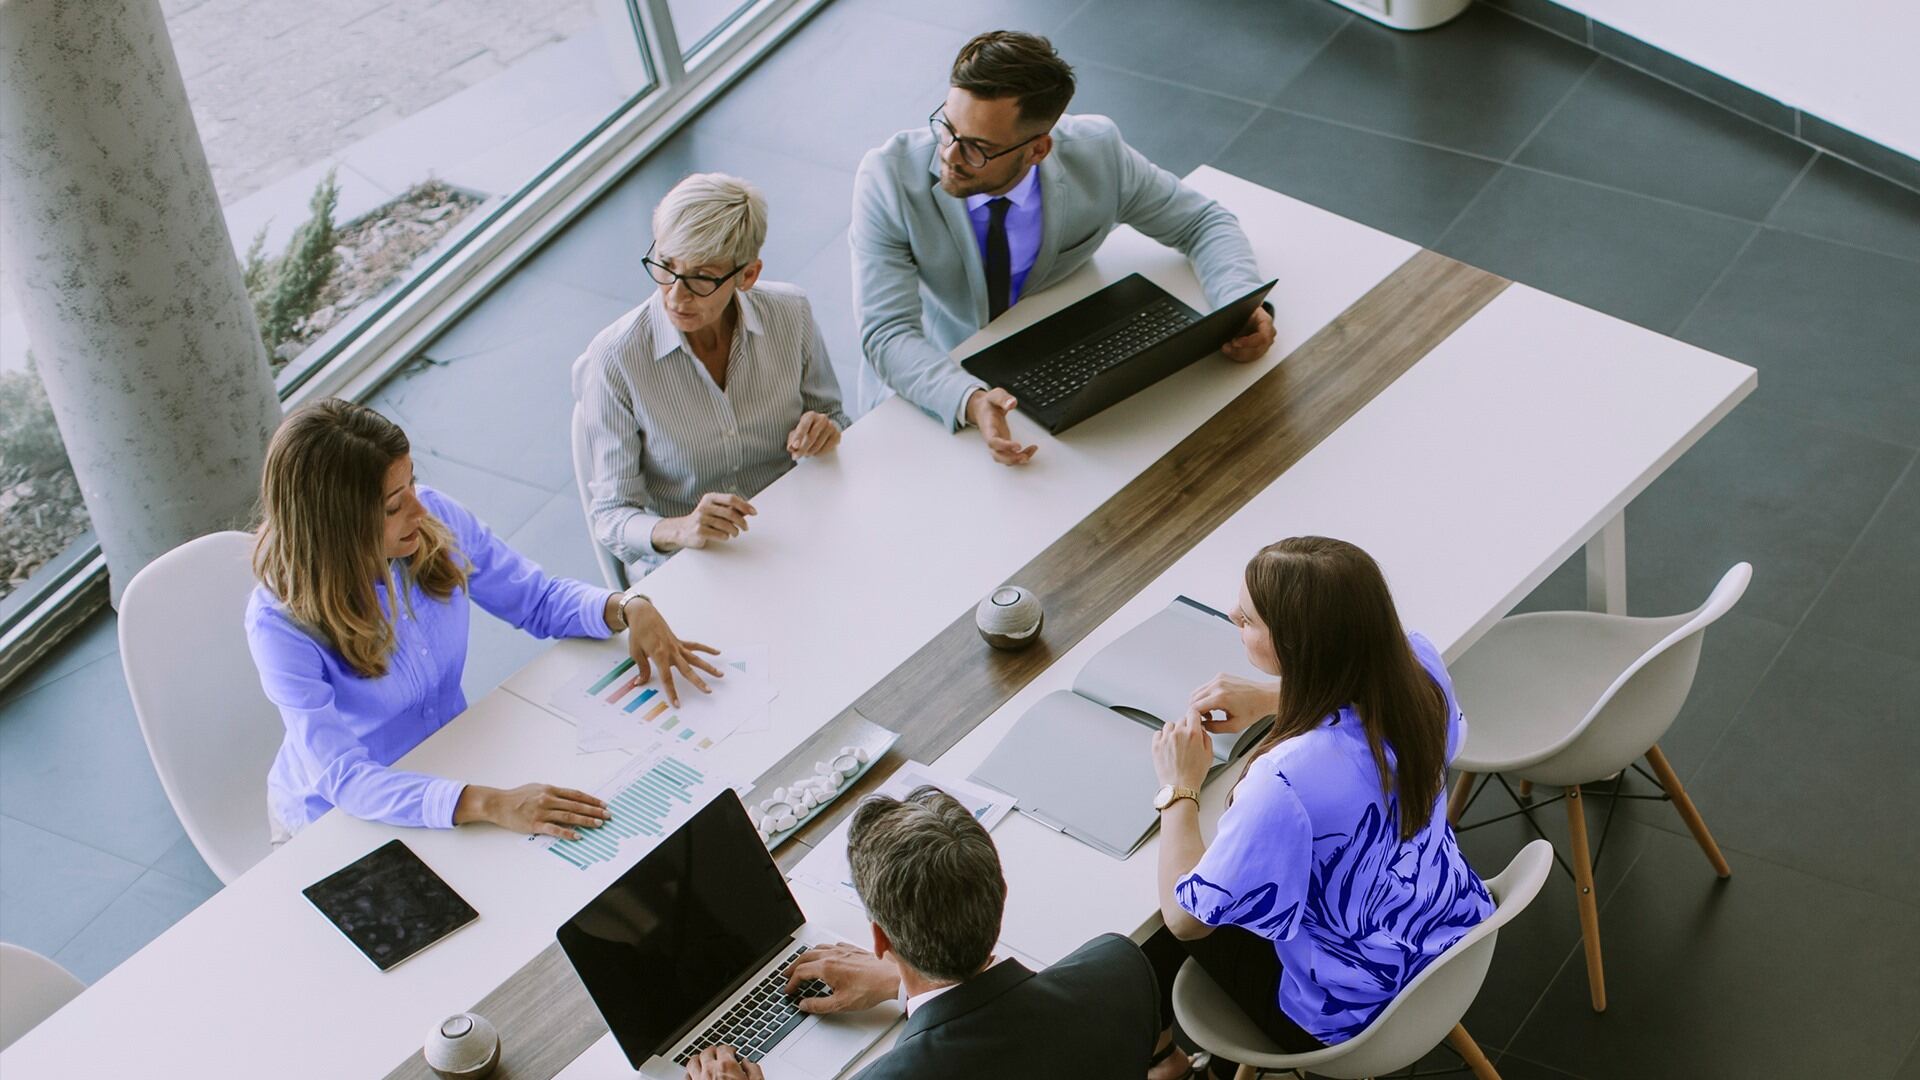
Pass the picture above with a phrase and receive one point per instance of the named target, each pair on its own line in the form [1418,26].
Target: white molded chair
[32,988]
[209,727]
[611,568]
[1427,1011]
[1565,698]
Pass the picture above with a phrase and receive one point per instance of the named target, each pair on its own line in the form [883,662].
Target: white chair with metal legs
[1566,698]
[612,569]
[1418,1019]
[32,988]
[209,727]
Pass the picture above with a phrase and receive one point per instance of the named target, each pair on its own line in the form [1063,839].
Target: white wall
[1855,63]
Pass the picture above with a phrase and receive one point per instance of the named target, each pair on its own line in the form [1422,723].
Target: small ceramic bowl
[463,1047]
[1009,618]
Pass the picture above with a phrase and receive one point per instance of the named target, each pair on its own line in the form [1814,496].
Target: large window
[368,140]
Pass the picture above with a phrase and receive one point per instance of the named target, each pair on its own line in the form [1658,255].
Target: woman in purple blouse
[1333,878]
[361,677]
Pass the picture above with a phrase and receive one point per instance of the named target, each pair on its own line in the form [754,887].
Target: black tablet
[390,904]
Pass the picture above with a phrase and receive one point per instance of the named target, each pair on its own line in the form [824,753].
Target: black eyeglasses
[970,151]
[697,284]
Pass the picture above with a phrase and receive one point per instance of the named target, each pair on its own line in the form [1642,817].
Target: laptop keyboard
[760,1019]
[1060,375]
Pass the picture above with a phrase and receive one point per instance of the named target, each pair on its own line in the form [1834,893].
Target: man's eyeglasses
[697,284]
[970,151]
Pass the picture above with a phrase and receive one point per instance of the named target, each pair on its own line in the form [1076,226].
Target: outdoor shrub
[287,289]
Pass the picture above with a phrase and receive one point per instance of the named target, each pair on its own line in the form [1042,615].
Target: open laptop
[1106,348]
[690,949]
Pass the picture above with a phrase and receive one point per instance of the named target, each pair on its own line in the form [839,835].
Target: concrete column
[113,239]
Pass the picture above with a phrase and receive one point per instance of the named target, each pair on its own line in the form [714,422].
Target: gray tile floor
[1495,142]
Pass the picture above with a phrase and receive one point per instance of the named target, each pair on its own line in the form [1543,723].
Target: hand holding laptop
[1254,341]
[987,410]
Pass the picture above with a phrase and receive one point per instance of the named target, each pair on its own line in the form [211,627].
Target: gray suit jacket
[1093,1016]
[918,282]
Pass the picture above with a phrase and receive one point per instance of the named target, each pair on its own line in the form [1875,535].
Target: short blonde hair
[711,218]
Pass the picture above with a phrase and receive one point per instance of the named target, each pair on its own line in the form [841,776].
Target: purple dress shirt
[1023,229]
[345,731]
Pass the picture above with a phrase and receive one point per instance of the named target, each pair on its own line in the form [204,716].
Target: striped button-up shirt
[660,432]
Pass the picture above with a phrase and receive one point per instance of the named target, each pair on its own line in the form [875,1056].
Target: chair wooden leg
[1246,1072]
[1526,789]
[1462,791]
[1589,906]
[1470,1053]
[1695,823]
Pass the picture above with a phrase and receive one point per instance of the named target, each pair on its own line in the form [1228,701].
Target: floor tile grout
[1792,186]
[1714,285]
[1553,112]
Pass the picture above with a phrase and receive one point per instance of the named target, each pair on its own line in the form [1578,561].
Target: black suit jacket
[1092,1016]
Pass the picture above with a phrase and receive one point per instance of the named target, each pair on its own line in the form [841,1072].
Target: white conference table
[1520,438]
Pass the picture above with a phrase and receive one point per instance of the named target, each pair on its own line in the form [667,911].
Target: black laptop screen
[680,930]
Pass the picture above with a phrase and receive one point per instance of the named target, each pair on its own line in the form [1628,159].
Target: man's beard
[961,189]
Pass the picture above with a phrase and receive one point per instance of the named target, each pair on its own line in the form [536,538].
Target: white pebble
[766,823]
[785,821]
[779,795]
[837,777]
[861,756]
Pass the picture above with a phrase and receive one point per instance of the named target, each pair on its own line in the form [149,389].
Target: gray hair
[711,218]
[930,877]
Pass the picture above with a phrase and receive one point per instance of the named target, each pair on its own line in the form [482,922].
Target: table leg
[1607,567]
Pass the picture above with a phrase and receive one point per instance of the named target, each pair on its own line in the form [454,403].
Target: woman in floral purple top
[1334,877]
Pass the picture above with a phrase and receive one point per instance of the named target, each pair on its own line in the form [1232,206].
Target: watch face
[1163,798]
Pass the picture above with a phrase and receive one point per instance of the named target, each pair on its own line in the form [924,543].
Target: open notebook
[1081,760]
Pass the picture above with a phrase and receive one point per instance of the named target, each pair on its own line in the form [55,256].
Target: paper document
[613,709]
[825,868]
[649,797]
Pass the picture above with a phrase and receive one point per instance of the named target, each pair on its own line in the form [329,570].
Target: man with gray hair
[707,392]
[930,878]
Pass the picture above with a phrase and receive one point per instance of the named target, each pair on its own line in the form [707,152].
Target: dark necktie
[999,260]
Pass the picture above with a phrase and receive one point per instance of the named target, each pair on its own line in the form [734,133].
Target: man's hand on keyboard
[1254,341]
[720,1063]
[987,410]
[857,978]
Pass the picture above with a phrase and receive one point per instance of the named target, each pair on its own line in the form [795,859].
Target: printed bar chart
[642,806]
[613,707]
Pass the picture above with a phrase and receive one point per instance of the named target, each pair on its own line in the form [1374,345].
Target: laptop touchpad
[827,1046]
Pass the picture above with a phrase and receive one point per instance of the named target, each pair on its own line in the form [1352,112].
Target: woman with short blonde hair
[710,390]
[359,629]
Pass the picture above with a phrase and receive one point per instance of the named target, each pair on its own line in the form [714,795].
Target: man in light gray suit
[1002,194]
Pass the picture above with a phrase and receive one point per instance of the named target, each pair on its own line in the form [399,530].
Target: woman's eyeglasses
[697,284]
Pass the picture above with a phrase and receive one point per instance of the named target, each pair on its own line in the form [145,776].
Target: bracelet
[627,597]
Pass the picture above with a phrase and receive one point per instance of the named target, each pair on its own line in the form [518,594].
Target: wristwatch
[1170,794]
[628,597]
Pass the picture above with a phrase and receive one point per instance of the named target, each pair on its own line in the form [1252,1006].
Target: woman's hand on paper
[1182,753]
[537,809]
[652,644]
[1244,701]
[856,978]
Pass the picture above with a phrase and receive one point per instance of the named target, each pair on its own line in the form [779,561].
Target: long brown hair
[319,544]
[1339,642]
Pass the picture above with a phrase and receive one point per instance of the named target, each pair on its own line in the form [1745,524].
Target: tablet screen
[390,904]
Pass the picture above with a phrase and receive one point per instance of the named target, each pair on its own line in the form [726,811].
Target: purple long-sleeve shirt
[345,731]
